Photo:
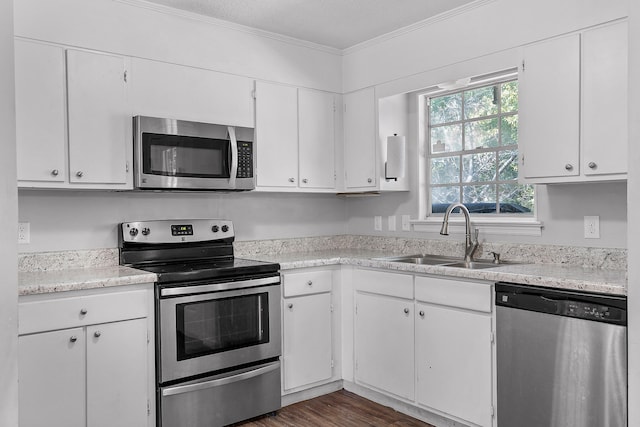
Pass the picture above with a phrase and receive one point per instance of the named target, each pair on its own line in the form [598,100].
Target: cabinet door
[385,344]
[52,379]
[604,100]
[307,346]
[453,351]
[117,374]
[316,139]
[276,135]
[99,121]
[40,112]
[360,139]
[549,113]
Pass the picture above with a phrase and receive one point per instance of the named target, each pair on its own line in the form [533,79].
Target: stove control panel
[176,231]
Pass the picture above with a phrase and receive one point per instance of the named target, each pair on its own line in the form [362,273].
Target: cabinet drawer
[381,282]
[454,293]
[71,312]
[308,282]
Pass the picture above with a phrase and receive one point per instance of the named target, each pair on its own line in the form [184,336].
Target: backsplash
[605,258]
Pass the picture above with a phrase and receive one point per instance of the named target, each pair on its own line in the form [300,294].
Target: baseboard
[310,393]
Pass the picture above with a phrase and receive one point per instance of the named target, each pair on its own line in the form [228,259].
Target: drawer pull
[290,306]
[97,334]
[73,338]
[309,283]
[406,311]
[421,313]
[83,311]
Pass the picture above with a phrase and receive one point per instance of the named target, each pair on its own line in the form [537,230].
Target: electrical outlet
[377,223]
[392,223]
[591,227]
[406,222]
[24,234]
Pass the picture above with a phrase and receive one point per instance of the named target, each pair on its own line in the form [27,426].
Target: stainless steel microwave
[181,155]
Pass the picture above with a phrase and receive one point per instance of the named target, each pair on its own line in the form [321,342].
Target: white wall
[8,231]
[67,220]
[483,40]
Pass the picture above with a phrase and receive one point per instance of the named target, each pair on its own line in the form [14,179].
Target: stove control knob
[133,232]
[146,231]
[215,228]
[225,228]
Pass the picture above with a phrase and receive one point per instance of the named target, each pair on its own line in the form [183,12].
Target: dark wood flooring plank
[338,409]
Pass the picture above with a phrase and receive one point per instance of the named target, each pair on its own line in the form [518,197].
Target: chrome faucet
[470,245]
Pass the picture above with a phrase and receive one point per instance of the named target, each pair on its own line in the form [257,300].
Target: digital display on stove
[182,230]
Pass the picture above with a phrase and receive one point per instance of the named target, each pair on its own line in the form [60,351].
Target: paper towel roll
[396,155]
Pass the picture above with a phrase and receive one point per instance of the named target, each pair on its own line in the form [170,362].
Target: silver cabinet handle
[369,180]
[592,165]
[97,334]
[292,180]
[55,172]
[79,174]
[309,283]
[290,306]
[73,338]
[421,313]
[305,180]
[568,166]
[406,311]
[83,311]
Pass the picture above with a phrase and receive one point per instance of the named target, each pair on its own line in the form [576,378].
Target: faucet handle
[496,257]
[476,233]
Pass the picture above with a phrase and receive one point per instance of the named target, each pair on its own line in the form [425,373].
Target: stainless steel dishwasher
[561,358]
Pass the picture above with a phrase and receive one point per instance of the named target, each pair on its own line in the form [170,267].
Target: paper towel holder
[394,167]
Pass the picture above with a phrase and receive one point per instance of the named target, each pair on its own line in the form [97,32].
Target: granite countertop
[42,282]
[547,275]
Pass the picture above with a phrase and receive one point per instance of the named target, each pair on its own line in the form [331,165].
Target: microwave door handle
[234,156]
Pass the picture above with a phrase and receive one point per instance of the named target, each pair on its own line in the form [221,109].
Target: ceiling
[335,23]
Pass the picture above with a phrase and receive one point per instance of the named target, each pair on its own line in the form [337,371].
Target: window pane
[445,109]
[509,130]
[481,134]
[446,138]
[445,170]
[508,165]
[444,196]
[479,167]
[481,102]
[479,194]
[509,97]
[516,198]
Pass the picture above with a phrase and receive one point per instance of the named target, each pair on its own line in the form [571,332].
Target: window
[472,135]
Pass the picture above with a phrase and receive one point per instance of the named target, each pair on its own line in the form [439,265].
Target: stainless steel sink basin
[443,261]
[473,265]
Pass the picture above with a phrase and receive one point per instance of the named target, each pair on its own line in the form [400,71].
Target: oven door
[207,328]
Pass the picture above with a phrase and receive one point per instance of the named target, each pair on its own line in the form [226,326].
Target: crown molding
[230,25]
[418,25]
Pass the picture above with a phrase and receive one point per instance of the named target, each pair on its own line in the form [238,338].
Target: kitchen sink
[473,265]
[443,261]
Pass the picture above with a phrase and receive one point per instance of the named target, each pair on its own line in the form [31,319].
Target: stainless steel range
[218,342]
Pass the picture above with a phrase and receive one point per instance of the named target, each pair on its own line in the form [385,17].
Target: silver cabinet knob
[568,166]
[292,180]
[421,313]
[305,180]
[592,165]
[83,311]
[55,172]
[290,306]
[97,334]
[73,338]
[369,180]
[79,174]
[309,283]
[406,311]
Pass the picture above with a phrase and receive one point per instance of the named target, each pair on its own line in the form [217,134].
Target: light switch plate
[24,233]
[591,227]
[392,223]
[406,222]
[377,223]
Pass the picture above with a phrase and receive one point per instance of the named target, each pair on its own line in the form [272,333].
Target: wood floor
[338,409]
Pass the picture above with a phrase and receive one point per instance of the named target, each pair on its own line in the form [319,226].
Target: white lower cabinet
[307,356]
[93,375]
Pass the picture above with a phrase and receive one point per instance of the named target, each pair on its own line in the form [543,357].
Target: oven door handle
[214,287]
[181,389]
[234,156]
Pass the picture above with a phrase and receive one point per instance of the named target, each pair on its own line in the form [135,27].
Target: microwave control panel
[245,160]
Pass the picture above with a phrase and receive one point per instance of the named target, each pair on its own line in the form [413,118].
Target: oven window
[185,156]
[218,325]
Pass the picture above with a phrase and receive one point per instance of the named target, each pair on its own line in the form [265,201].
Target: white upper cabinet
[73,123]
[573,107]
[360,140]
[604,100]
[99,118]
[159,89]
[276,135]
[40,112]
[316,139]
